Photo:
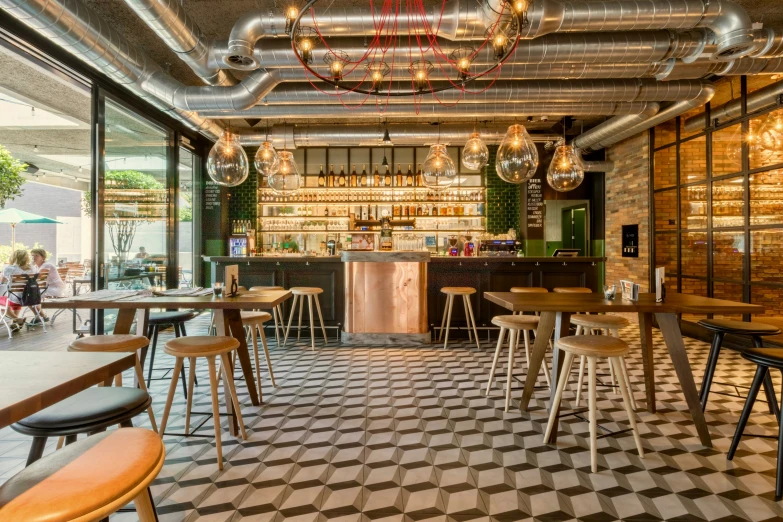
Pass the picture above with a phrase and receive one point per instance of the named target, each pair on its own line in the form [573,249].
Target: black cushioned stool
[765,358]
[159,321]
[721,327]
[90,411]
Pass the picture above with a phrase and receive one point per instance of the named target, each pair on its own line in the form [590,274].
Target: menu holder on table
[630,290]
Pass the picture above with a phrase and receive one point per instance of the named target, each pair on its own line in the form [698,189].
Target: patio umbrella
[14,216]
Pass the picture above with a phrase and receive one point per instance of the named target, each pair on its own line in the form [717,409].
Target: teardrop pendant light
[565,172]
[286,180]
[227,163]
[267,159]
[475,153]
[517,157]
[438,171]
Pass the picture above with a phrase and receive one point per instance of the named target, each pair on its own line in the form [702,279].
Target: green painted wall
[502,200]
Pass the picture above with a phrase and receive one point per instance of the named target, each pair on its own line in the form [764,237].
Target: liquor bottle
[412,210]
[363,179]
[387,178]
[376,177]
[419,211]
[321,177]
[326,211]
[353,176]
[399,176]
[419,179]
[409,177]
[341,178]
[331,175]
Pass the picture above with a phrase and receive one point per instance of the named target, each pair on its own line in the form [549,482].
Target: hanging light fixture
[438,171]
[267,159]
[227,163]
[770,134]
[420,71]
[475,153]
[336,61]
[290,16]
[517,157]
[378,72]
[565,172]
[286,180]
[305,43]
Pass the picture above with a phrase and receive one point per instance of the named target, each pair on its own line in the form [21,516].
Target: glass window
[666,210]
[728,203]
[666,133]
[766,197]
[188,163]
[665,167]
[729,292]
[765,140]
[693,287]
[766,253]
[666,252]
[693,160]
[693,206]
[770,297]
[694,254]
[727,150]
[728,252]
[683,117]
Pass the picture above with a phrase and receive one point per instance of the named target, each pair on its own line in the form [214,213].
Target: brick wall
[502,200]
[627,203]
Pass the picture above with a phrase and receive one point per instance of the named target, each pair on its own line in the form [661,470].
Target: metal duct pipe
[769,43]
[769,95]
[434,112]
[598,166]
[168,19]
[613,131]
[585,140]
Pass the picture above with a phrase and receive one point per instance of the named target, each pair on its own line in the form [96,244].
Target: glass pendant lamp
[287,179]
[565,172]
[517,156]
[438,171]
[475,153]
[267,160]
[770,134]
[227,163]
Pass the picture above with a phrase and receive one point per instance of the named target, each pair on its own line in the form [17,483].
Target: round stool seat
[729,326]
[255,317]
[599,321]
[109,343]
[91,406]
[593,345]
[765,356]
[306,290]
[529,290]
[86,480]
[170,317]
[572,290]
[458,290]
[516,322]
[200,345]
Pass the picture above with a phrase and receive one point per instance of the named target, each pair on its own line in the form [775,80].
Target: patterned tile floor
[407,434]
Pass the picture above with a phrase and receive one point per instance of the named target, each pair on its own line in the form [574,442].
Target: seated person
[55,285]
[142,253]
[18,264]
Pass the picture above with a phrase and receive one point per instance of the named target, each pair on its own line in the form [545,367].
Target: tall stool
[123,343]
[160,320]
[721,327]
[592,347]
[88,480]
[277,311]
[465,292]
[765,358]
[513,324]
[209,346]
[311,293]
[255,321]
[609,324]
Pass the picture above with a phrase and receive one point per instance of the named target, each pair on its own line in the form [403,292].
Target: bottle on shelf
[341,177]
[419,180]
[399,176]
[321,177]
[376,177]
[363,178]
[331,175]
[387,178]
[409,177]
[353,176]
[419,211]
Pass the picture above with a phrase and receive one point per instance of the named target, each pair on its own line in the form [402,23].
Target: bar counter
[485,274]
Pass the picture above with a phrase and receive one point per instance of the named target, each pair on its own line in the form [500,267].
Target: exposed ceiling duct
[764,97]
[617,129]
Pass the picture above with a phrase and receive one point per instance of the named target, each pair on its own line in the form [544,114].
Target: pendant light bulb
[517,156]
[438,171]
[566,171]
[475,154]
[267,159]
[770,133]
[227,163]
[286,180]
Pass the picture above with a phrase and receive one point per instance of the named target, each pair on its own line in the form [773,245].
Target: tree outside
[11,179]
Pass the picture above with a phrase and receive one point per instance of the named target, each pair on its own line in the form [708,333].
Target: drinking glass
[609,291]
[217,289]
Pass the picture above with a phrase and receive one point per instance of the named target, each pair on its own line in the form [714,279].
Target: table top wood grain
[265,300]
[32,381]
[575,303]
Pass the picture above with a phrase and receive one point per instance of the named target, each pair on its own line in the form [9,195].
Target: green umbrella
[15,216]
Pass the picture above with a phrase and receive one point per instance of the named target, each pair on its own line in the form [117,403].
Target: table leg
[222,328]
[648,362]
[562,325]
[234,323]
[546,324]
[124,321]
[673,337]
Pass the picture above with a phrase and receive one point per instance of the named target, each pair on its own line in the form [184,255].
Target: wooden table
[556,310]
[32,381]
[226,312]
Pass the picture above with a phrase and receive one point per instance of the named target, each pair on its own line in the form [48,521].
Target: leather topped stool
[255,322]
[465,292]
[592,347]
[513,324]
[210,347]
[765,358]
[277,311]
[90,411]
[88,480]
[159,321]
[125,343]
[311,293]
[721,327]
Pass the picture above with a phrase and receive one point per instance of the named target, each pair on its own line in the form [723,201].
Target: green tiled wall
[502,200]
[242,200]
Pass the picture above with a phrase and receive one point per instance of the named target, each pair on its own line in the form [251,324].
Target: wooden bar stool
[300,292]
[277,311]
[124,343]
[593,347]
[88,480]
[209,346]
[255,321]
[513,324]
[465,292]
[159,321]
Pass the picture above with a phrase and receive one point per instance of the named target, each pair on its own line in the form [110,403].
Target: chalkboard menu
[211,196]
[215,218]
[535,208]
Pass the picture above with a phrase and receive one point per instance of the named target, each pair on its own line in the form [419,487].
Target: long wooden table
[32,381]
[227,313]
[556,310]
